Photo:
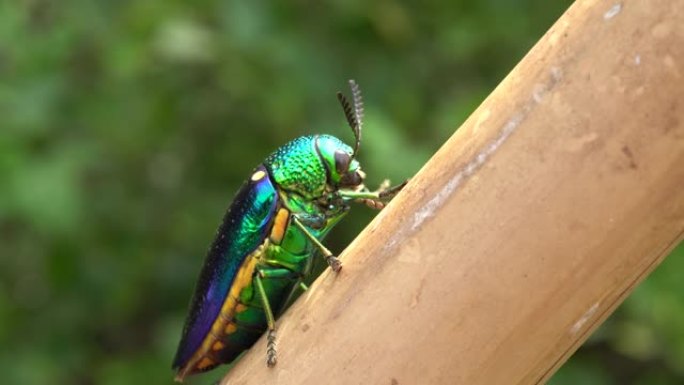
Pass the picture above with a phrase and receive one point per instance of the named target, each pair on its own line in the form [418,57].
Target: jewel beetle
[267,240]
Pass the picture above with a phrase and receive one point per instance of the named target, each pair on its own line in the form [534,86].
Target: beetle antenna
[354,114]
[358,112]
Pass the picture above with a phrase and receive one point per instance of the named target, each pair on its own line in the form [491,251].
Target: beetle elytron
[266,243]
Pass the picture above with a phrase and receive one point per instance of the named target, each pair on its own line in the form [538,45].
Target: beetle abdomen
[244,229]
[215,348]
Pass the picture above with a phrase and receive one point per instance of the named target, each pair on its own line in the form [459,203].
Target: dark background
[126,127]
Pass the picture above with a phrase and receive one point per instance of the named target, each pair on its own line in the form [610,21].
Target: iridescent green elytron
[267,240]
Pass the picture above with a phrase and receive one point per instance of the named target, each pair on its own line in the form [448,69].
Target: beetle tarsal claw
[334,263]
[390,192]
[271,356]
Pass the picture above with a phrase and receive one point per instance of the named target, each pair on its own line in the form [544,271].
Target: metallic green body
[295,253]
[299,174]
[267,241]
[302,166]
[296,178]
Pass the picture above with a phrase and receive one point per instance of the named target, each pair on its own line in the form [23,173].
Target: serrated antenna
[353,113]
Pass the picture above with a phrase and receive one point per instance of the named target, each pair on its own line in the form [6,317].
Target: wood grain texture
[561,192]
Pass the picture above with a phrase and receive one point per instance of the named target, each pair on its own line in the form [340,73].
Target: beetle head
[343,170]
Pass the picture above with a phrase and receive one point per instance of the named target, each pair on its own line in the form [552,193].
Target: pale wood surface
[523,233]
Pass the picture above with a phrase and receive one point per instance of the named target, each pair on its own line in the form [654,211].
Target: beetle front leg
[332,260]
[374,199]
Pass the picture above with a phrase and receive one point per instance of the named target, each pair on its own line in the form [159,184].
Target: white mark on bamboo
[577,326]
[613,11]
[538,92]
[555,75]
[433,204]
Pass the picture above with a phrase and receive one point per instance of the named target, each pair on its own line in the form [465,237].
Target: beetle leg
[390,192]
[271,345]
[281,264]
[277,273]
[332,260]
[382,193]
[315,221]
[374,199]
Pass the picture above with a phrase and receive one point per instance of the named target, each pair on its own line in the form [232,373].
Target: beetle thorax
[298,168]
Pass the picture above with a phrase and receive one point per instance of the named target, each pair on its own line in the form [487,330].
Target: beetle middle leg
[332,260]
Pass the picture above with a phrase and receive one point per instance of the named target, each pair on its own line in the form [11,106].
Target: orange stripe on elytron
[230,328]
[205,363]
[243,278]
[279,225]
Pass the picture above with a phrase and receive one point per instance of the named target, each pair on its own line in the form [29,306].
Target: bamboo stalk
[561,192]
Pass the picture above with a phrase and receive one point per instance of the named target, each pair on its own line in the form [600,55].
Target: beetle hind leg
[271,354]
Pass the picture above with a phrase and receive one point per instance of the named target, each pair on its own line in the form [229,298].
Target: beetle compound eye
[342,160]
[351,179]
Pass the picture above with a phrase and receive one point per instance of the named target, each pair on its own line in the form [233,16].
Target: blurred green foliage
[128,125]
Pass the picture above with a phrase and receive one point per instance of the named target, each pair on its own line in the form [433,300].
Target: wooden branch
[524,232]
